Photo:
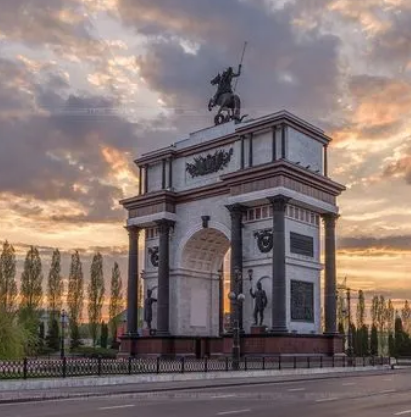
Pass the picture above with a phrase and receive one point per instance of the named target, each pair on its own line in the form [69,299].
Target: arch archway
[205,251]
[201,282]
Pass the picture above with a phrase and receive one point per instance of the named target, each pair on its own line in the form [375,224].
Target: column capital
[279,202]
[164,225]
[330,219]
[132,230]
[236,209]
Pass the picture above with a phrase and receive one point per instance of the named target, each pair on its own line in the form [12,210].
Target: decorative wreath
[153,255]
[265,240]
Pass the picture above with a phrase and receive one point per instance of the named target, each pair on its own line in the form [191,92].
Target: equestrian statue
[225,97]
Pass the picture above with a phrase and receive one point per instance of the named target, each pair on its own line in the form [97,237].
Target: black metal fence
[72,367]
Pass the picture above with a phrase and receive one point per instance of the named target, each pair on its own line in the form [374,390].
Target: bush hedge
[91,352]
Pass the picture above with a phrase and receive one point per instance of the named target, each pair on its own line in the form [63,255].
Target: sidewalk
[52,389]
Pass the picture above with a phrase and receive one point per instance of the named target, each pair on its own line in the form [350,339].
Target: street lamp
[350,335]
[237,298]
[63,318]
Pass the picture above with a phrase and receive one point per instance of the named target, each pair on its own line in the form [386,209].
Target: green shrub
[15,339]
[91,352]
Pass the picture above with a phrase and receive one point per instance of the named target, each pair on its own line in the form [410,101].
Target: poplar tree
[95,295]
[8,286]
[104,335]
[116,301]
[31,282]
[75,298]
[55,290]
[31,294]
[374,310]
[374,341]
[374,327]
[390,318]
[341,312]
[362,330]
[360,310]
[382,323]
[55,286]
[406,317]
[401,338]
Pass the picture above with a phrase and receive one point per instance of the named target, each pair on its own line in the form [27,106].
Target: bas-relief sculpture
[302,301]
[260,304]
[209,164]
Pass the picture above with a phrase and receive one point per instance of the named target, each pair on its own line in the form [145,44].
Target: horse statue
[229,102]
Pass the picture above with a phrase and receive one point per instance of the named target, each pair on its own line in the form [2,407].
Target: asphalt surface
[387,394]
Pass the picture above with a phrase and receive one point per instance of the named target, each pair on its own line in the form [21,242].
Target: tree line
[387,332]
[21,329]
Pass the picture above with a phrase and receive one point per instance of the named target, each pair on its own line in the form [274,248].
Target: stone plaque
[301,244]
[302,301]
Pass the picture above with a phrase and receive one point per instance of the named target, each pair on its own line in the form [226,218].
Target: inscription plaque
[301,244]
[302,301]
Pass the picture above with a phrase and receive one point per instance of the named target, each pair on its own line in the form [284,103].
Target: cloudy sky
[86,85]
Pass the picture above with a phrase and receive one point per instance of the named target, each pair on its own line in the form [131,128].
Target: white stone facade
[282,155]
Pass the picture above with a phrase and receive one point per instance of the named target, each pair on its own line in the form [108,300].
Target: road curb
[211,383]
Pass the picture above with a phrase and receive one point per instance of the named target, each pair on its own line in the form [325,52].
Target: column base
[278,330]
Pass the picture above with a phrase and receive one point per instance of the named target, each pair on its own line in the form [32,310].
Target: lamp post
[63,318]
[350,341]
[237,298]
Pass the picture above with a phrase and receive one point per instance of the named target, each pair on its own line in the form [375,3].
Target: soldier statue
[229,102]
[260,303]
[225,97]
[148,308]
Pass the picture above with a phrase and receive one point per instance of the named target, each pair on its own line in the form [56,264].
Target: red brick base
[251,344]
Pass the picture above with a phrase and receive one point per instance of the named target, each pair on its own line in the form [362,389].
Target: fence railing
[72,367]
[403,361]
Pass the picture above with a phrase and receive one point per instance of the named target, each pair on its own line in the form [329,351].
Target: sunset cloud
[88,85]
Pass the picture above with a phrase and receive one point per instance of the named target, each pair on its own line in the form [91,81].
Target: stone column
[330,284]
[221,301]
[163,290]
[325,170]
[279,285]
[236,214]
[133,281]
[140,180]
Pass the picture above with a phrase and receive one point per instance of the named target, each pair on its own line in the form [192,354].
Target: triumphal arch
[260,189]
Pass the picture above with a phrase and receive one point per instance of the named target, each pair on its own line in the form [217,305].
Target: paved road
[383,395]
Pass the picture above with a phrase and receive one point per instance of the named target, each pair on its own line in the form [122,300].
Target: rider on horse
[224,82]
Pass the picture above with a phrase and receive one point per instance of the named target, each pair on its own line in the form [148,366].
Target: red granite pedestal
[259,343]
[258,329]
[128,345]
